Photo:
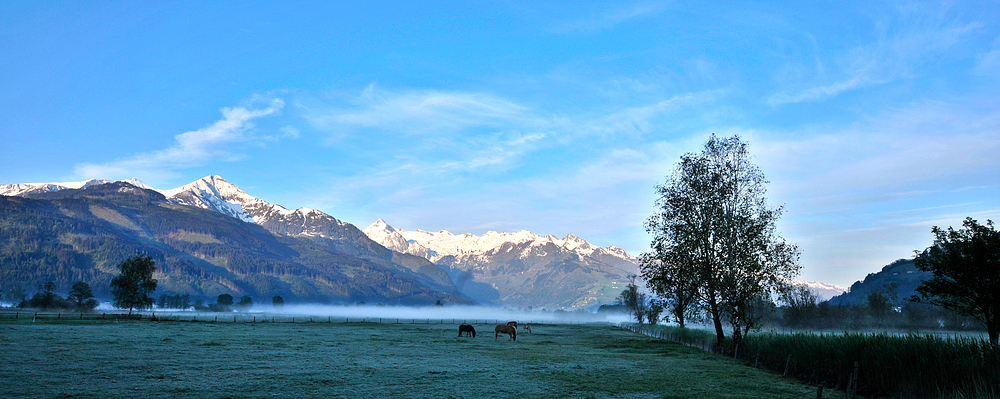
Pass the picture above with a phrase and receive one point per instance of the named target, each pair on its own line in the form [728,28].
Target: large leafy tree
[82,296]
[714,237]
[132,288]
[966,267]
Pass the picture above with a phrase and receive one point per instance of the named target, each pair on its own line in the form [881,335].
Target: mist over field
[458,313]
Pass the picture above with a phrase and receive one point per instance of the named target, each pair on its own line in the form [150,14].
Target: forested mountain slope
[82,234]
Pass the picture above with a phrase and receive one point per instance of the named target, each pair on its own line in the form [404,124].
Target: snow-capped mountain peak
[20,189]
[444,243]
[214,192]
[824,291]
[382,233]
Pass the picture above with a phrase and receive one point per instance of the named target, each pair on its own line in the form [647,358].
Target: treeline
[883,310]
[79,299]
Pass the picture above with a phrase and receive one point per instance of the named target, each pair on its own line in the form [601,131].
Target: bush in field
[277,301]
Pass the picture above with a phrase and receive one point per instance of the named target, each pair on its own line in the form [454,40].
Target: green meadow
[109,359]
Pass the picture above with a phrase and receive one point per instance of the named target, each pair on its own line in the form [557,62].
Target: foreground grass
[273,360]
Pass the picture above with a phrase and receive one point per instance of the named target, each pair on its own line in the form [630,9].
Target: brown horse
[526,327]
[467,329]
[512,324]
[503,328]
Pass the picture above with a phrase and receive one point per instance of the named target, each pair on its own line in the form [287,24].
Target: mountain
[24,189]
[215,193]
[521,269]
[824,291]
[903,273]
[55,232]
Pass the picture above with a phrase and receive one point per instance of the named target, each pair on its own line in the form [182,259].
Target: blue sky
[873,120]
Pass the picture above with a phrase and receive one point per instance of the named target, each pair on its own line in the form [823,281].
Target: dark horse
[503,328]
[467,329]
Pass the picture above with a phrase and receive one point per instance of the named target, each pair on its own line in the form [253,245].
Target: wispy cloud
[901,45]
[415,112]
[190,149]
[607,19]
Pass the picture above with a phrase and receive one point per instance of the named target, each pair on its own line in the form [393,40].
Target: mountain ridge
[82,234]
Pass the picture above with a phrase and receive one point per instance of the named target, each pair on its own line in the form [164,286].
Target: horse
[506,329]
[526,327]
[512,324]
[467,329]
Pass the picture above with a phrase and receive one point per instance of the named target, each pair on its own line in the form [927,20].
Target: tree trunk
[993,329]
[720,335]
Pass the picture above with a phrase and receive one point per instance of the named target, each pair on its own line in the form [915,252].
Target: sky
[873,121]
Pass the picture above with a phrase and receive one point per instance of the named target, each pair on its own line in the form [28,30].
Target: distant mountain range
[519,269]
[522,268]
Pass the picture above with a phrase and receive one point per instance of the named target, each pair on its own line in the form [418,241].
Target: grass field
[106,359]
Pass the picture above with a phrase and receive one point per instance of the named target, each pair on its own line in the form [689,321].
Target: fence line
[695,343]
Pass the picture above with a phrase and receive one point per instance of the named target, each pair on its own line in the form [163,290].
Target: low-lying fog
[457,313]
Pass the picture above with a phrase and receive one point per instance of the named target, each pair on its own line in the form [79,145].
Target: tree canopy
[966,267]
[82,296]
[714,238]
[131,289]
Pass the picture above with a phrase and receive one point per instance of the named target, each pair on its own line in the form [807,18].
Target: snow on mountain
[214,192]
[32,188]
[388,237]
[824,291]
[443,243]
[520,268]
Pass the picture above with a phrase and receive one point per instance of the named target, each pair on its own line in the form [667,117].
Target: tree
[671,277]
[82,296]
[633,300]
[966,267]
[653,311]
[277,301]
[223,303]
[48,297]
[246,302]
[714,235]
[801,305]
[132,287]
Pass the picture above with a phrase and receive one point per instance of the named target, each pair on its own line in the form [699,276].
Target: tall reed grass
[888,365]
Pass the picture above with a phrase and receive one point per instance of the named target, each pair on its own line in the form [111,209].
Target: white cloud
[190,149]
